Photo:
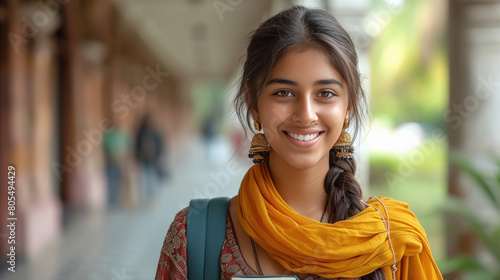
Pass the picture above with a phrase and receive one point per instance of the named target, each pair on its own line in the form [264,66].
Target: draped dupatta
[350,248]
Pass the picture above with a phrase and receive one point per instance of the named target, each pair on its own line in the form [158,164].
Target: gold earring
[343,146]
[259,149]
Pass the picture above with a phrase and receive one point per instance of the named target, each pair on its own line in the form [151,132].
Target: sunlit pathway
[122,244]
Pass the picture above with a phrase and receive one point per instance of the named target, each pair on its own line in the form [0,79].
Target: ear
[347,118]
[350,109]
[255,113]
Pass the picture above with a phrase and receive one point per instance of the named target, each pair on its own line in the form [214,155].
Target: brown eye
[284,93]
[326,94]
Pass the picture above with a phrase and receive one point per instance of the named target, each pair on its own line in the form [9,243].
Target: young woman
[300,210]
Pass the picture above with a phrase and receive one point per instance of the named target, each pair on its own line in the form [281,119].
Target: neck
[301,189]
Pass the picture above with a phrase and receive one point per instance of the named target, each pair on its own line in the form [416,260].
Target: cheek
[271,116]
[334,119]
[271,126]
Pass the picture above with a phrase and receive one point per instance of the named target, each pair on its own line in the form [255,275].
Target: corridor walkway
[120,244]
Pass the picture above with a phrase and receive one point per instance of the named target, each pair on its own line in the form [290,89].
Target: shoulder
[402,220]
[176,235]
[178,225]
[181,216]
[395,211]
[388,203]
[173,261]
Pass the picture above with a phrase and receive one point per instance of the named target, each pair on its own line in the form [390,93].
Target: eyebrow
[293,83]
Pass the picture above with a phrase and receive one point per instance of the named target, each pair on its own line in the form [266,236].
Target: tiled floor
[122,244]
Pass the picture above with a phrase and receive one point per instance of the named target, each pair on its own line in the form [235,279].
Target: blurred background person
[149,148]
[117,148]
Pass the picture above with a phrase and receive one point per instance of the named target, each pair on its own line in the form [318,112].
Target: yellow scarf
[350,248]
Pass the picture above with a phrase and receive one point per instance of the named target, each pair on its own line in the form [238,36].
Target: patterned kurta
[172,263]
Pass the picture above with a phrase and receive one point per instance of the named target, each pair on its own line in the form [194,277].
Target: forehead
[309,64]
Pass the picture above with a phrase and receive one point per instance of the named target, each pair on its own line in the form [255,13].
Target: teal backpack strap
[196,231]
[205,232]
[216,233]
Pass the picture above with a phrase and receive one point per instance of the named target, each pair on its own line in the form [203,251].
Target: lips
[303,137]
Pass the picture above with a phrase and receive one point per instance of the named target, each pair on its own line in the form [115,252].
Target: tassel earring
[259,149]
[343,146]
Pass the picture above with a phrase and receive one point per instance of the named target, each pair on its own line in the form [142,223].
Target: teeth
[302,137]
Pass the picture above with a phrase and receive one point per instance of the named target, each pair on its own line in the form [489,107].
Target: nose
[305,111]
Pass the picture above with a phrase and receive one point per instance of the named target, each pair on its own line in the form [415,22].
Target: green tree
[409,62]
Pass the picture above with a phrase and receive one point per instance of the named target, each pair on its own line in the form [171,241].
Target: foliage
[424,189]
[409,83]
[383,163]
[487,231]
[409,62]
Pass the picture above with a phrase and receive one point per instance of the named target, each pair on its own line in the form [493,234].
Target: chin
[304,162]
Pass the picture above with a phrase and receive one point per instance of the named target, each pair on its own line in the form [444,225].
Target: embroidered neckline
[234,245]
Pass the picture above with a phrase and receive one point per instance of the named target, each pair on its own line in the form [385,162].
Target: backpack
[205,234]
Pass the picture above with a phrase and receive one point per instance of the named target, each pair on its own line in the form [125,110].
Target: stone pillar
[10,81]
[94,125]
[472,117]
[28,122]
[15,130]
[42,212]
[82,98]
[72,152]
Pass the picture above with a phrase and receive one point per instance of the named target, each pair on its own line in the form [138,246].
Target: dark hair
[300,27]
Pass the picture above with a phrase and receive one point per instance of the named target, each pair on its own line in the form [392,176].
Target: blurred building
[70,71]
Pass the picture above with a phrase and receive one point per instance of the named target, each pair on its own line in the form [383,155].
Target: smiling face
[302,108]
